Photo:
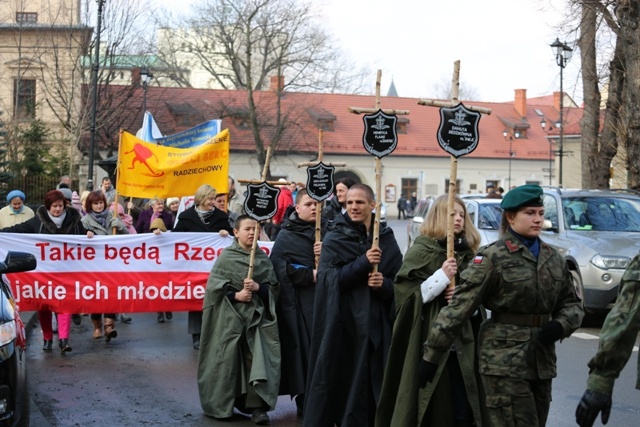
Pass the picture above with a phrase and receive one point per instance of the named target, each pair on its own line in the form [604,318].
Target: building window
[446,186]
[26,17]
[24,99]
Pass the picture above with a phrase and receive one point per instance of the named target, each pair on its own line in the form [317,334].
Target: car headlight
[608,262]
[7,332]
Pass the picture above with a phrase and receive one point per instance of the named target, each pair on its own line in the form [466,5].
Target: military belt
[531,320]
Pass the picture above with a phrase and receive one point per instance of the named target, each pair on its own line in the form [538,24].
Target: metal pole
[550,161]
[94,88]
[510,156]
[144,99]
[561,148]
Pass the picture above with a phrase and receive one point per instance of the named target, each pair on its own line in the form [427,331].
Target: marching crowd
[353,332]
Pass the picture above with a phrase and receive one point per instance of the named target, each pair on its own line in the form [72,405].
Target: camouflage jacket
[618,334]
[507,278]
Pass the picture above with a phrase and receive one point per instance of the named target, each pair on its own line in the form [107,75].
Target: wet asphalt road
[147,377]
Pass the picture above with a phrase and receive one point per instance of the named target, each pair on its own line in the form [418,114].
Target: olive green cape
[239,346]
[403,402]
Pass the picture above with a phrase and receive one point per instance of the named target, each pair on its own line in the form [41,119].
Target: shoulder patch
[478,259]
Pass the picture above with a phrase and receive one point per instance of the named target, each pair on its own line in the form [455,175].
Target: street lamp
[543,125]
[94,88]
[563,54]
[145,79]
[505,134]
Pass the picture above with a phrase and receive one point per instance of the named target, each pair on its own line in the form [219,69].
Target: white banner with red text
[115,274]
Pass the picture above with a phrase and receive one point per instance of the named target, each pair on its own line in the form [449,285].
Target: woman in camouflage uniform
[528,288]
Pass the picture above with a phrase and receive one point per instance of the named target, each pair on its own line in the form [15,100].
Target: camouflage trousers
[514,402]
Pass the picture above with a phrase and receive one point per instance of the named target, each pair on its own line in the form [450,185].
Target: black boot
[168,315]
[77,319]
[196,341]
[48,344]
[160,317]
[64,345]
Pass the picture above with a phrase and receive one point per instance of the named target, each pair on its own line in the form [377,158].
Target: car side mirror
[18,261]
[547,225]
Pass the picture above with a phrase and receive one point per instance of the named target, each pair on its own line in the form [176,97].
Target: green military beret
[525,195]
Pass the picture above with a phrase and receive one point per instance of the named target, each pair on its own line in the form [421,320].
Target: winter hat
[67,193]
[75,201]
[15,193]
[159,224]
[172,200]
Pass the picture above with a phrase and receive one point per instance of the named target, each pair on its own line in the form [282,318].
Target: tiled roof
[346,135]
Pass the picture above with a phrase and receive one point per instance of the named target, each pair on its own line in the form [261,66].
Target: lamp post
[543,125]
[505,134]
[94,88]
[563,54]
[145,79]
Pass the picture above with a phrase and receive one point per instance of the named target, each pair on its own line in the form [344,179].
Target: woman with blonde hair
[421,289]
[202,217]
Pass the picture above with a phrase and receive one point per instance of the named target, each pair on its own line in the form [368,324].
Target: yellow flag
[147,170]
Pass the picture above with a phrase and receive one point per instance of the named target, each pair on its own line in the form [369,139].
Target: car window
[489,216]
[551,210]
[471,210]
[604,213]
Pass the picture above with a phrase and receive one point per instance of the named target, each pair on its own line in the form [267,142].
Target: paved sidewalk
[30,319]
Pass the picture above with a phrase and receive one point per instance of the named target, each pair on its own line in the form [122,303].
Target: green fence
[33,187]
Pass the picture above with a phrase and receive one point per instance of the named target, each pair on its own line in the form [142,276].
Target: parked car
[484,213]
[420,212]
[598,232]
[14,392]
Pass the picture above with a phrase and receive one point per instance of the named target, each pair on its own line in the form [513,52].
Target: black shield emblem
[380,137]
[320,181]
[458,131]
[261,202]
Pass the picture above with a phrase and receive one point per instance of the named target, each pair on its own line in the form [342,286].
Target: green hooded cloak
[239,358]
[403,402]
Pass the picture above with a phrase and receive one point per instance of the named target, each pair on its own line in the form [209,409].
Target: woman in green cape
[421,290]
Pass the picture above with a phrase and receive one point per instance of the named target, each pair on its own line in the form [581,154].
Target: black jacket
[42,224]
[189,221]
[293,261]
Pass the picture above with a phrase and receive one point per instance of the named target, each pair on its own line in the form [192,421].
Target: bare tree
[246,44]
[612,23]
[60,53]
[628,14]
[442,90]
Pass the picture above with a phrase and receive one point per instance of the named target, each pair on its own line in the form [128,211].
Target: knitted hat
[159,224]
[75,200]
[67,193]
[172,200]
[15,193]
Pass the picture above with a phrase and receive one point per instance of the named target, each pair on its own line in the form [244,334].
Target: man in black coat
[351,320]
[293,257]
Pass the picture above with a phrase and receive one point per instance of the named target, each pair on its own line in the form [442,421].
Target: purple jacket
[144,220]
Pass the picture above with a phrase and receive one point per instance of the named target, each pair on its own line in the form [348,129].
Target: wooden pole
[453,175]
[453,167]
[252,257]
[357,110]
[319,204]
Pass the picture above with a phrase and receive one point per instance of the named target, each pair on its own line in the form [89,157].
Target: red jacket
[285,199]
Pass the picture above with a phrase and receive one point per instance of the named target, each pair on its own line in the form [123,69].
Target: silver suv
[598,232]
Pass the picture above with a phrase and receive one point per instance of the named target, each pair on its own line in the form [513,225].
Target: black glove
[550,332]
[426,372]
[591,403]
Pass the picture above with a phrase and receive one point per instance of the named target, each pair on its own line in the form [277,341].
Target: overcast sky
[502,45]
